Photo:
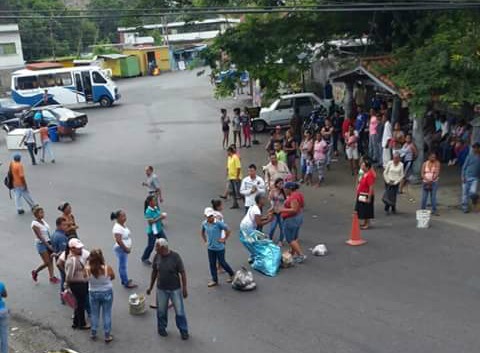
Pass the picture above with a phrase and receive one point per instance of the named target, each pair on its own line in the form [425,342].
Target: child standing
[212,236]
[309,169]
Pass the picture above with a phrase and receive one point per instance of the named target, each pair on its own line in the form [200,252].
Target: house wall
[10,34]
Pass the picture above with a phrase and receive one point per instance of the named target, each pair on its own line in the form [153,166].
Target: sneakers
[21,211]
[35,276]
[54,280]
[147,262]
[230,279]
[184,336]
[299,259]
[212,284]
[163,333]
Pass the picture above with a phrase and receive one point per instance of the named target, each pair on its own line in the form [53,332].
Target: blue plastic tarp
[265,254]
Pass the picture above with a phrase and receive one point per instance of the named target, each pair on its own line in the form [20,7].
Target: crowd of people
[371,143]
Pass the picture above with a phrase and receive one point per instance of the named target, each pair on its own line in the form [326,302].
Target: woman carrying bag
[77,281]
[366,194]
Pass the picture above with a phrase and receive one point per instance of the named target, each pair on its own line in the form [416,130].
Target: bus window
[97,77]
[46,81]
[27,82]
[63,79]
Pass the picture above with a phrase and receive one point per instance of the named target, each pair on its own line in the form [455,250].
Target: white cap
[75,243]
[209,212]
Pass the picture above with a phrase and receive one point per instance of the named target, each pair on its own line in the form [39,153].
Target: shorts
[41,248]
[291,227]
[309,170]
[352,153]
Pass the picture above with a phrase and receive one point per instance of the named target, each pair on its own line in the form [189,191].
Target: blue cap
[290,185]
[17,157]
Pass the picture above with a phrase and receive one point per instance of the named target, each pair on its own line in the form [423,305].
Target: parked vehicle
[66,86]
[10,110]
[52,115]
[281,111]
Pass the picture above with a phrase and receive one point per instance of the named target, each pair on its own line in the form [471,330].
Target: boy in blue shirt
[3,320]
[214,238]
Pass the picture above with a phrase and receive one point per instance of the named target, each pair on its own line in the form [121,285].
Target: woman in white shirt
[41,230]
[123,245]
[393,175]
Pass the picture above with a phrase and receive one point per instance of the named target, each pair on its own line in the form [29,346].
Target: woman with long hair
[100,291]
[306,147]
[72,226]
[41,230]
[123,246]
[277,197]
[290,149]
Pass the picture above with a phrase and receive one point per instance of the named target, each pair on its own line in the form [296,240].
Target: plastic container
[136,304]
[53,133]
[423,219]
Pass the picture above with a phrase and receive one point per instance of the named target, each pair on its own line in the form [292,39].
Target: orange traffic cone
[355,237]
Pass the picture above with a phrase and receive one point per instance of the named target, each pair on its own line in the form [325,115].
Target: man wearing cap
[215,240]
[20,184]
[252,185]
[169,273]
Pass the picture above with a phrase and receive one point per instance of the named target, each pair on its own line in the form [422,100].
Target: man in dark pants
[29,141]
[234,174]
[169,273]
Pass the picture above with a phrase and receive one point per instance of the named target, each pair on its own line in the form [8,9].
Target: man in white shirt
[153,184]
[252,185]
[387,136]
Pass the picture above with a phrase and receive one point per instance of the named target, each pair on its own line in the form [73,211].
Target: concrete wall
[5,80]
[10,34]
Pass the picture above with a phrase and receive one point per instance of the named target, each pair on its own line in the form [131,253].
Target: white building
[11,54]
[179,32]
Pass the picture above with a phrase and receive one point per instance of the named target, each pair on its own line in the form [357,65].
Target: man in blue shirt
[360,125]
[215,239]
[470,177]
[3,320]
[59,242]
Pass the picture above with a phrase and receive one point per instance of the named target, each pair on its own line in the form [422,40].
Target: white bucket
[423,218]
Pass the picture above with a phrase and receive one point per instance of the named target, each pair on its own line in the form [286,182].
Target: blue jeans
[3,331]
[122,258]
[433,196]
[47,149]
[175,296]
[469,188]
[215,256]
[22,193]
[152,238]
[31,151]
[373,147]
[101,301]
[303,164]
[291,227]
[277,221]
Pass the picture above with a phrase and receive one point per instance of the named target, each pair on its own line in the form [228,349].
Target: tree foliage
[444,66]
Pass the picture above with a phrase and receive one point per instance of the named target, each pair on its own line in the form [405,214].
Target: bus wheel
[105,102]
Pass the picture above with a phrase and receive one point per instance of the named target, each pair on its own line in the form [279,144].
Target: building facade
[11,54]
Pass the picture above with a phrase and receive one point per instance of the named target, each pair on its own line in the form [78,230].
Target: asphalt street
[407,290]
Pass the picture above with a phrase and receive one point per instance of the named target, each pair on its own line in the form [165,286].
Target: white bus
[66,86]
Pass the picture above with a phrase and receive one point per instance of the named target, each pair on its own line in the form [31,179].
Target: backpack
[8,181]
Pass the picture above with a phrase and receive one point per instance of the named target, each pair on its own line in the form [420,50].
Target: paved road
[406,291]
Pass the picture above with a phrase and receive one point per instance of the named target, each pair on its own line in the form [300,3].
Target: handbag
[363,197]
[69,298]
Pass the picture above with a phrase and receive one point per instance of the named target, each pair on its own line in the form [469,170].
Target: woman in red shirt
[292,215]
[366,195]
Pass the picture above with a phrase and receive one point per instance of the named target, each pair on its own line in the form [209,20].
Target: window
[46,80]
[8,49]
[27,82]
[284,104]
[97,77]
[63,79]
[305,102]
